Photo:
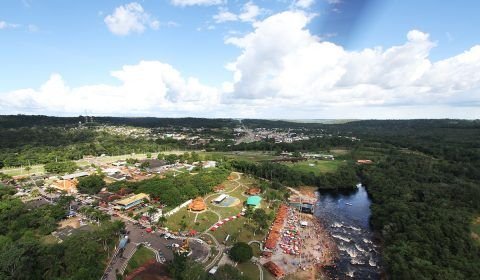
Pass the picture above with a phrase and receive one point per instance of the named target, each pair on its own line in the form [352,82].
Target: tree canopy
[241,252]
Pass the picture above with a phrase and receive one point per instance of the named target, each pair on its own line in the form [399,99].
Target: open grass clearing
[317,166]
[239,230]
[249,270]
[243,155]
[141,256]
[256,249]
[19,171]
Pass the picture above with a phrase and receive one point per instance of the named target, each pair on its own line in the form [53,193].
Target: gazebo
[253,191]
[198,204]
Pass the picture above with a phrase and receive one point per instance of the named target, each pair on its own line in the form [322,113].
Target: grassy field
[251,156]
[141,256]
[38,169]
[250,270]
[204,220]
[16,171]
[317,166]
[256,249]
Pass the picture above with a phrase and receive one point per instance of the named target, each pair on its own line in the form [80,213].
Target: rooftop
[254,200]
[131,199]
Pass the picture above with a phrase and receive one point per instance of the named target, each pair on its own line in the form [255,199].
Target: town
[282,236]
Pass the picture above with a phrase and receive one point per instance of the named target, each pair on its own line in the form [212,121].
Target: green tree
[61,167]
[241,252]
[228,272]
[260,217]
[91,184]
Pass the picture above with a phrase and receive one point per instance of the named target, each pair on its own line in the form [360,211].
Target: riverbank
[304,246]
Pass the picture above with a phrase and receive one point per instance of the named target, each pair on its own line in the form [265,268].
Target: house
[274,269]
[70,186]
[364,161]
[131,201]
[209,164]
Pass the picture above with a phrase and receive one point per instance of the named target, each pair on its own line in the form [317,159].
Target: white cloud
[145,88]
[184,3]
[282,63]
[304,4]
[5,25]
[130,18]
[282,71]
[224,15]
[248,13]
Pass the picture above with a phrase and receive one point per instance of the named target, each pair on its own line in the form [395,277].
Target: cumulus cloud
[282,71]
[248,13]
[149,87]
[283,63]
[130,18]
[184,3]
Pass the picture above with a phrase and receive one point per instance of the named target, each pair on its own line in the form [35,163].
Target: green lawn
[247,155]
[141,256]
[204,220]
[250,270]
[317,166]
[256,249]
[34,169]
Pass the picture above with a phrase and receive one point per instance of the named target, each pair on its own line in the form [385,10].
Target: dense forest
[424,182]
[344,178]
[16,121]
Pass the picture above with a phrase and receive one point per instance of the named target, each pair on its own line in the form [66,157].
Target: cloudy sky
[303,59]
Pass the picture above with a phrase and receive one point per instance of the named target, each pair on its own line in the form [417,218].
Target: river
[346,216]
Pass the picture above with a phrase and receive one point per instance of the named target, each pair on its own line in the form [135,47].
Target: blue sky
[73,42]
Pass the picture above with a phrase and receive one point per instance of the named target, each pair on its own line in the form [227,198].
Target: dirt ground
[73,222]
[308,191]
[153,271]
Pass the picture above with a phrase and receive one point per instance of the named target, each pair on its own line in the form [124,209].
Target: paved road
[137,235]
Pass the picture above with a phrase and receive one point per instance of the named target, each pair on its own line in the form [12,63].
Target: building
[254,201]
[131,201]
[364,161]
[253,191]
[75,175]
[198,204]
[70,186]
[209,164]
[220,198]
